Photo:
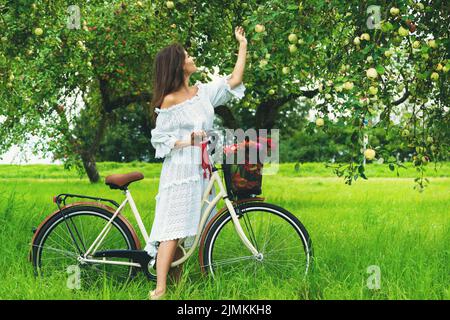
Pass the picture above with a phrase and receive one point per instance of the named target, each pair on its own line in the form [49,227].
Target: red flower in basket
[239,181]
[251,168]
[236,176]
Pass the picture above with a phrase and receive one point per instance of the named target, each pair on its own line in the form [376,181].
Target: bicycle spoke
[282,249]
[67,253]
[54,252]
[70,243]
[226,261]
[279,245]
[283,252]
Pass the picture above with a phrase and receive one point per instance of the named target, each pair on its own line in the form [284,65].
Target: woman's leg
[166,252]
[175,272]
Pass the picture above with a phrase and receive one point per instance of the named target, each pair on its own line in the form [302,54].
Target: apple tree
[363,64]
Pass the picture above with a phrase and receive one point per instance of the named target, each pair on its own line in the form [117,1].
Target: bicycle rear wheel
[282,240]
[55,252]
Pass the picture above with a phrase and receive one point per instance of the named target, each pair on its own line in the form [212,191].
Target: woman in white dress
[184,116]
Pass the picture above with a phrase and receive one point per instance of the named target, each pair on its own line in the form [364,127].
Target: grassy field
[381,221]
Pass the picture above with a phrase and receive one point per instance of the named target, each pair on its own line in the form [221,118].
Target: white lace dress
[181,185]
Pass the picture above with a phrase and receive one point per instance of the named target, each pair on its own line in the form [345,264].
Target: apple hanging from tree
[372,73]
[365,36]
[432,44]
[369,154]
[292,38]
[412,26]
[373,90]
[292,48]
[38,31]
[394,11]
[170,4]
[403,32]
[260,28]
[434,76]
[319,122]
[348,85]
[405,133]
[388,53]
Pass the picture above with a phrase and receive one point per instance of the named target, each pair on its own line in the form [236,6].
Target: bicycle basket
[244,180]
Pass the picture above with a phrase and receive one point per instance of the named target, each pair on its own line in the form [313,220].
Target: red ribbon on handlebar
[205,160]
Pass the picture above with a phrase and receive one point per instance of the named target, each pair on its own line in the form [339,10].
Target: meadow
[380,222]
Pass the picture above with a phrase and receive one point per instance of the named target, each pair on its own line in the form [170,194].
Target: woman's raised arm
[238,72]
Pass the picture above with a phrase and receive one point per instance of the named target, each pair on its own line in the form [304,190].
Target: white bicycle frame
[215,178]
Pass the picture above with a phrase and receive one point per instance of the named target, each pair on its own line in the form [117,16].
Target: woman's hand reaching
[240,35]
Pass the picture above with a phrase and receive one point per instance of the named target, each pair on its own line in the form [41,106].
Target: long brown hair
[168,75]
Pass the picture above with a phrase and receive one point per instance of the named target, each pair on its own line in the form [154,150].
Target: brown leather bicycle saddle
[121,181]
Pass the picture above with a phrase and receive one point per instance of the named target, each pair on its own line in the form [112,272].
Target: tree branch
[229,121]
[110,105]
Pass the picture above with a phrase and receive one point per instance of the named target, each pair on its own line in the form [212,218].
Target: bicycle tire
[247,208]
[76,211]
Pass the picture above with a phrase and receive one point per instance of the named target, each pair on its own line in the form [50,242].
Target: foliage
[351,71]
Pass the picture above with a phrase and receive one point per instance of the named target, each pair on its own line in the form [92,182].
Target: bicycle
[99,239]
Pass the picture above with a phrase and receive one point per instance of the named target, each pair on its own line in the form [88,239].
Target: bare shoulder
[168,101]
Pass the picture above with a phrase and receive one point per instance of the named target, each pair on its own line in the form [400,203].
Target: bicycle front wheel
[281,239]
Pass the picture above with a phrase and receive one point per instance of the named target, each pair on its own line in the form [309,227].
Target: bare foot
[157,294]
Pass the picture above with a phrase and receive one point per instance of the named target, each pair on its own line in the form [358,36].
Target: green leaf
[380,69]
[361,169]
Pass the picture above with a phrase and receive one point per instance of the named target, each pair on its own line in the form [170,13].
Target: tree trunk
[90,147]
[90,166]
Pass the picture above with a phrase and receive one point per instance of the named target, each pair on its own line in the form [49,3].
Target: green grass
[382,221]
[152,170]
